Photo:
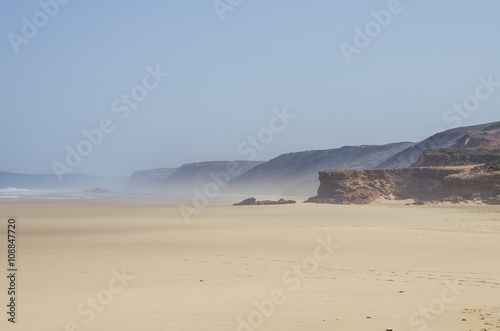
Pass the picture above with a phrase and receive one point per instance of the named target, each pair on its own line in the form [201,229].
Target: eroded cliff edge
[421,184]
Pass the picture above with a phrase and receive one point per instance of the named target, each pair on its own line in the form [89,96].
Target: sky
[110,87]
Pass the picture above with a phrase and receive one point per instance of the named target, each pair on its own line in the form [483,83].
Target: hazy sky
[69,67]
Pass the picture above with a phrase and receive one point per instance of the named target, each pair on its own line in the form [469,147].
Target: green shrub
[490,166]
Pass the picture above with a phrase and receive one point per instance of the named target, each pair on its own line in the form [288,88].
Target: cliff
[489,137]
[150,179]
[197,175]
[469,137]
[420,184]
[456,157]
[297,173]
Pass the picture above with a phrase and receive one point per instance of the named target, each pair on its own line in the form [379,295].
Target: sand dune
[103,265]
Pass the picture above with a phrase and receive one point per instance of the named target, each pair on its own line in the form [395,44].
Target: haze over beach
[237,165]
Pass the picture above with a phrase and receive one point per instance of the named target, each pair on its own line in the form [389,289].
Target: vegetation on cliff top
[490,166]
[452,152]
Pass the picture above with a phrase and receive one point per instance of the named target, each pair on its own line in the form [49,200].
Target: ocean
[13,193]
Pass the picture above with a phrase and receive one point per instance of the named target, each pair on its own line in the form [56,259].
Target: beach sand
[108,265]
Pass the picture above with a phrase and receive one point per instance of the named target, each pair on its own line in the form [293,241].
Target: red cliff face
[422,184]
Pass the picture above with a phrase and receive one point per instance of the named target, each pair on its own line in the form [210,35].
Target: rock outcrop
[99,191]
[420,184]
[254,202]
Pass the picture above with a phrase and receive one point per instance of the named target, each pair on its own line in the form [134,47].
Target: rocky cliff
[297,173]
[488,137]
[470,137]
[197,175]
[456,157]
[420,184]
[149,179]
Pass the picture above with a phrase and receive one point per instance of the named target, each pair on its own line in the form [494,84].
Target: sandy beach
[109,265]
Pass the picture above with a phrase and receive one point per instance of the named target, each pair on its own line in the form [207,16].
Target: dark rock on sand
[254,202]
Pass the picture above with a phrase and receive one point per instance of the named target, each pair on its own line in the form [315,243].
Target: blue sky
[226,77]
